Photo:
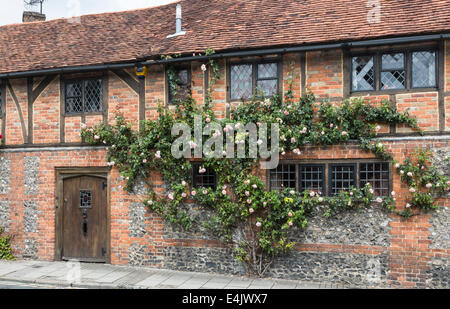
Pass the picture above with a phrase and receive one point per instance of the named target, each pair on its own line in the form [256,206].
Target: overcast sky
[11,10]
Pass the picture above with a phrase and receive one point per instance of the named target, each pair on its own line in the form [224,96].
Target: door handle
[85,227]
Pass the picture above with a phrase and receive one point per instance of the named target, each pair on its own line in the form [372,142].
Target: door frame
[63,173]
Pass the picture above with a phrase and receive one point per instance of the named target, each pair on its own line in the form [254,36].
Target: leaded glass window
[267,81]
[363,73]
[241,81]
[1,101]
[180,89]
[342,177]
[312,178]
[253,78]
[85,199]
[393,73]
[424,69]
[204,177]
[377,175]
[283,177]
[84,96]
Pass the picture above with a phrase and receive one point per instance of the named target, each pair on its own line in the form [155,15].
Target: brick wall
[410,253]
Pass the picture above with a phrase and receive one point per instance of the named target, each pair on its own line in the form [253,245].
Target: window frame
[330,175]
[254,64]
[405,68]
[184,66]
[323,181]
[2,100]
[83,80]
[436,64]
[408,70]
[327,171]
[195,167]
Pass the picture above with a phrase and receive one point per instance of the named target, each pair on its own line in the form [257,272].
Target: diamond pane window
[241,81]
[183,85]
[393,74]
[74,97]
[85,199]
[312,178]
[342,177]
[93,96]
[1,101]
[84,96]
[206,179]
[377,175]
[363,73]
[423,69]
[267,70]
[283,177]
[267,81]
[268,87]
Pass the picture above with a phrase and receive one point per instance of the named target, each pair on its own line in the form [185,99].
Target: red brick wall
[409,250]
[46,115]
[324,73]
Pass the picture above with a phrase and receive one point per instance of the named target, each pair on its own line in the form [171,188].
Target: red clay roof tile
[217,24]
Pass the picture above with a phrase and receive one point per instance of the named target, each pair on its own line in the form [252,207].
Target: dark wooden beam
[141,99]
[42,86]
[128,79]
[19,111]
[3,110]
[441,85]
[303,71]
[30,110]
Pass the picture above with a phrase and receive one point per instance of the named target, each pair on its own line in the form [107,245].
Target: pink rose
[150,202]
[292,140]
[249,201]
[429,185]
[290,214]
[291,223]
[224,192]
[205,191]
[379,200]
[144,161]
[194,193]
[184,195]
[412,190]
[332,125]
[247,193]
[171,196]
[258,224]
[251,210]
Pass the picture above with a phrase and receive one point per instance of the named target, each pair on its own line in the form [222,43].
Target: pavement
[74,275]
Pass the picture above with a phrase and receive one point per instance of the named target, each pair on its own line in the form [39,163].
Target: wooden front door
[84,230]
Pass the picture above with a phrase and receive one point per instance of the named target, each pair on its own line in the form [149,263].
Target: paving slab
[55,274]
[196,282]
[114,276]
[217,283]
[153,280]
[176,280]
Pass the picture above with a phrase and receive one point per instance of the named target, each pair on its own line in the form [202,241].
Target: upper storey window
[84,96]
[179,84]
[394,71]
[248,79]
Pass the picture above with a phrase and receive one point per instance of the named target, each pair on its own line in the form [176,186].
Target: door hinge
[103,251]
[105,185]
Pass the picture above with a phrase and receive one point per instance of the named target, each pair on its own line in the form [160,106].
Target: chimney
[178,23]
[29,16]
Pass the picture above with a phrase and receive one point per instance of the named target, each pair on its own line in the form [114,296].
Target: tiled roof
[217,24]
